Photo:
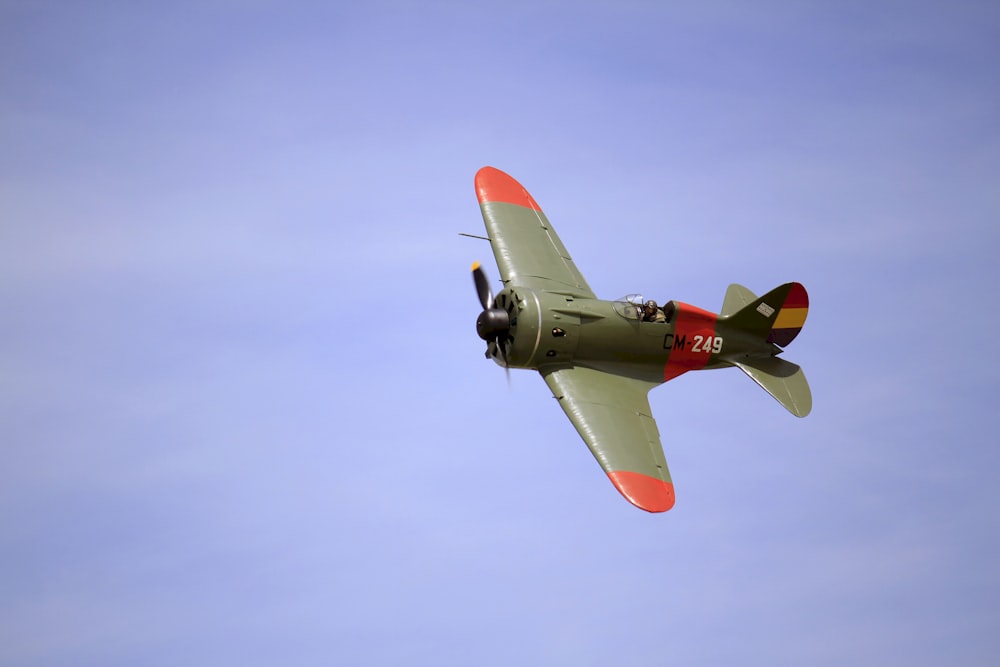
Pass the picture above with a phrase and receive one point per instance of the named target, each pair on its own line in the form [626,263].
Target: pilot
[652,314]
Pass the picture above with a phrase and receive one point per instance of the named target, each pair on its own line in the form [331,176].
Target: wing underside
[612,415]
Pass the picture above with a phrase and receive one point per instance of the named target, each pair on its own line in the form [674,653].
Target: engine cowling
[516,313]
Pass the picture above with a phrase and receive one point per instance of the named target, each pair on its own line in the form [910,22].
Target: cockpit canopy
[631,307]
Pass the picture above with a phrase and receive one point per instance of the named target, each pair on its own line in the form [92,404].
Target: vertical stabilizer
[778,316]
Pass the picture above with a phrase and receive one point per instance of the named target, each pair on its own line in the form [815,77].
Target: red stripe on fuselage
[692,342]
[493,185]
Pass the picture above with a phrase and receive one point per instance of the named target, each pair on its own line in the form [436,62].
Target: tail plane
[774,319]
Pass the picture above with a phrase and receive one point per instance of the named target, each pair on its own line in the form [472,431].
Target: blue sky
[244,415]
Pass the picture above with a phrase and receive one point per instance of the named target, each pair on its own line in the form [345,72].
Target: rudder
[777,317]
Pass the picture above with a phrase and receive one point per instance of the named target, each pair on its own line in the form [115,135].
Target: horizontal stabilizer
[784,380]
[737,296]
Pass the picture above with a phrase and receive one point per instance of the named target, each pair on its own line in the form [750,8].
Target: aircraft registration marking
[692,342]
[698,344]
[707,344]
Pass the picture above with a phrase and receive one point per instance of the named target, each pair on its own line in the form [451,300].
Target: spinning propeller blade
[493,324]
[482,286]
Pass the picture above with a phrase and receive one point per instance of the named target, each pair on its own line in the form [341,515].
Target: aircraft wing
[612,415]
[526,247]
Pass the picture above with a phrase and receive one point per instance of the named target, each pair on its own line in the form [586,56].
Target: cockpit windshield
[629,306]
[635,307]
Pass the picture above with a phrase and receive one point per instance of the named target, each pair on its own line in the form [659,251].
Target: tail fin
[776,318]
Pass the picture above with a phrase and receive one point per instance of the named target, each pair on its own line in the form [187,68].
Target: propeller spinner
[493,324]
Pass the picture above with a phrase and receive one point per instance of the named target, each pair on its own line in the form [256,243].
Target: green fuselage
[550,329]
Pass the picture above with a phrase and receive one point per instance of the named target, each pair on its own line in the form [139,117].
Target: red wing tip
[645,492]
[493,185]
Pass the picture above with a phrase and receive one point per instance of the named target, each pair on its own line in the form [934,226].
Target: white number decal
[707,344]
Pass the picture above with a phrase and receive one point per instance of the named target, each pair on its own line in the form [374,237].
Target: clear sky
[244,415]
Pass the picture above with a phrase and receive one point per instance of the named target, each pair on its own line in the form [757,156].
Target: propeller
[493,324]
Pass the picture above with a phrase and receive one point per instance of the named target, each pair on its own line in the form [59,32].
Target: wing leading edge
[612,415]
[528,251]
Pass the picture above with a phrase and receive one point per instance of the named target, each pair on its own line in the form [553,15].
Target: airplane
[601,358]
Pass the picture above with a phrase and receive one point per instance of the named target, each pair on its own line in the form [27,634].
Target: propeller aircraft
[601,358]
